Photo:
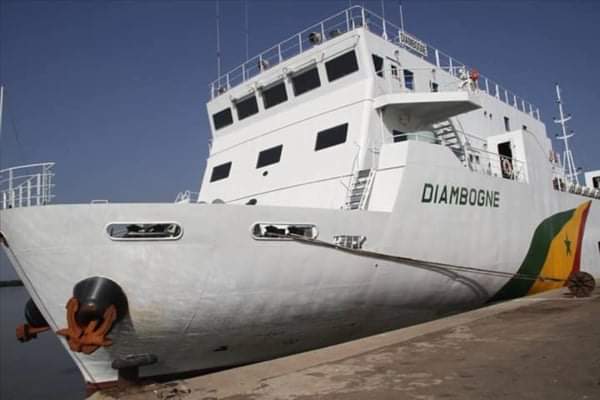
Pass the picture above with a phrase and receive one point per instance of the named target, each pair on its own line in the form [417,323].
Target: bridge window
[220,172]
[409,79]
[269,156]
[331,137]
[341,66]
[378,65]
[306,81]
[222,118]
[274,95]
[144,231]
[246,107]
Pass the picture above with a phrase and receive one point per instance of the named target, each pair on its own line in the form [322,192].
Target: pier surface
[540,347]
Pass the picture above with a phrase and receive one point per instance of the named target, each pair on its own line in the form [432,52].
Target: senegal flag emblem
[554,252]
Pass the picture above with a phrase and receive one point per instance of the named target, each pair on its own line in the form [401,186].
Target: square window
[274,95]
[246,107]
[220,172]
[341,66]
[269,156]
[306,81]
[222,118]
[331,137]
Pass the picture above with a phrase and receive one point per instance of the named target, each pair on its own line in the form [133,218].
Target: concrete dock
[540,347]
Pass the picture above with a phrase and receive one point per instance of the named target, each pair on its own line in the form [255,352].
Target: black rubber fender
[95,295]
[33,316]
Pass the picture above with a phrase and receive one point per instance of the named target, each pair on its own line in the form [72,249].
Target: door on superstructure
[394,75]
[506,160]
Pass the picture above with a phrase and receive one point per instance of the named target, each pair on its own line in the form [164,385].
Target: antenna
[218,40]
[1,109]
[246,29]
[401,15]
[569,163]
[385,36]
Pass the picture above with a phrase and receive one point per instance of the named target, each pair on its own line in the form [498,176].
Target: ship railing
[562,184]
[27,185]
[480,160]
[187,197]
[348,20]
[424,79]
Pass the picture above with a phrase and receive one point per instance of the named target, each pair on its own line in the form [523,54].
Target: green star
[568,245]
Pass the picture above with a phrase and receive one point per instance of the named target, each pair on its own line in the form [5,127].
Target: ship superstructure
[358,180]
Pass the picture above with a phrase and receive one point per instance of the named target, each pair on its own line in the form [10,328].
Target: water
[39,369]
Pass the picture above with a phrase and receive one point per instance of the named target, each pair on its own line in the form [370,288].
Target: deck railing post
[323,32]
[20,195]
[497,91]
[300,42]
[530,109]
[487,86]
[4,205]
[506,96]
[363,17]
[279,52]
[28,192]
[38,186]
[347,21]
[437,57]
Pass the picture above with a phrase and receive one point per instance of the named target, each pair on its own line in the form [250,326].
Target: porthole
[144,231]
[283,231]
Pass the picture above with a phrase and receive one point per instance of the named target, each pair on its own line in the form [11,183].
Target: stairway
[359,191]
[448,136]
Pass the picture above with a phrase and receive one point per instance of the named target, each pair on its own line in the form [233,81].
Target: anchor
[87,338]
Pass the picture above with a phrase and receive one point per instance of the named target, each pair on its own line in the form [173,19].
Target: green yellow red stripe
[554,252]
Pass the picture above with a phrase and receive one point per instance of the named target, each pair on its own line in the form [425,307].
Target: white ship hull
[218,297]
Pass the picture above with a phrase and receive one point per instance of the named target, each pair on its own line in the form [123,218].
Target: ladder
[360,189]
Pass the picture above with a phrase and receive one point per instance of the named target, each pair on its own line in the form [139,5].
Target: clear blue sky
[114,91]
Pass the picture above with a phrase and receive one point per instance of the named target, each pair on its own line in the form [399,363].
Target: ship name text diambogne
[358,180]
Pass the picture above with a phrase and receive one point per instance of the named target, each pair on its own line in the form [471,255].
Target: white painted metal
[216,287]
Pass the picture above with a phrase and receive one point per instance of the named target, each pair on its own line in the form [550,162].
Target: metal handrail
[345,21]
[26,185]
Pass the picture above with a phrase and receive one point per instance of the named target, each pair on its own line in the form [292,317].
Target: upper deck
[348,20]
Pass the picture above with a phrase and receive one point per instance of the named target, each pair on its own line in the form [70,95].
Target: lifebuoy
[507,167]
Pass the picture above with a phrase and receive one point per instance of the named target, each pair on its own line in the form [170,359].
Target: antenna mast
[401,15]
[218,40]
[246,28]
[569,163]
[1,109]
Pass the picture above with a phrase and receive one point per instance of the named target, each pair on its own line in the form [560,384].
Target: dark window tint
[331,137]
[220,172]
[246,107]
[434,87]
[378,65]
[409,79]
[398,136]
[341,66]
[506,124]
[269,156]
[222,118]
[305,81]
[274,95]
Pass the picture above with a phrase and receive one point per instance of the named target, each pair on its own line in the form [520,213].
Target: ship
[359,180]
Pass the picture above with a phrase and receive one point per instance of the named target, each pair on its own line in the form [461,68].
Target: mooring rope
[416,262]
